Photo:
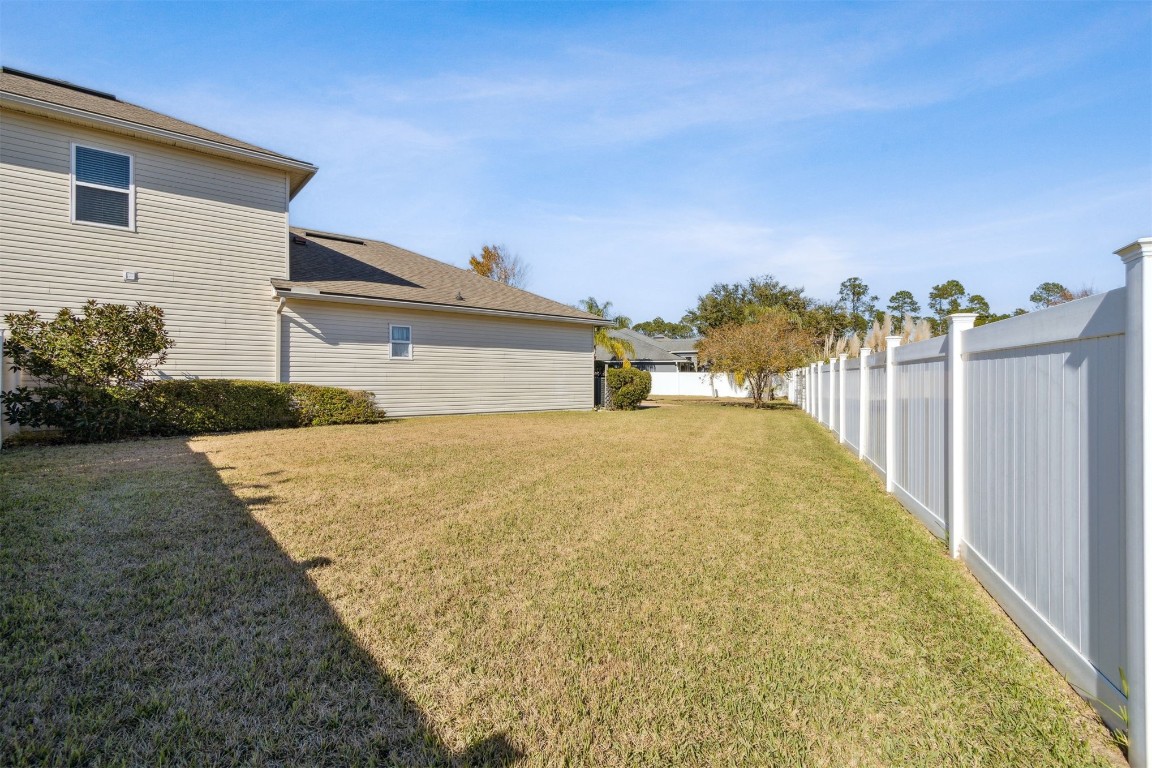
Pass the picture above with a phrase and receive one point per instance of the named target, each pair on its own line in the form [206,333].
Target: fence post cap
[962,321]
[843,356]
[865,351]
[1142,247]
[893,341]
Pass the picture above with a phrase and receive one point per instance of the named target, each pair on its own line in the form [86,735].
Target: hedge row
[225,405]
[186,407]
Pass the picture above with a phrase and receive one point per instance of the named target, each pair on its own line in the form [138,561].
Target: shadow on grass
[149,619]
[29,438]
[772,405]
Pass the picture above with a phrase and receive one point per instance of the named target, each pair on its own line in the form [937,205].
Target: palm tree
[619,348]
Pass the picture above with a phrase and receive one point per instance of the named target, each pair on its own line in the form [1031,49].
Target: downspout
[280,302]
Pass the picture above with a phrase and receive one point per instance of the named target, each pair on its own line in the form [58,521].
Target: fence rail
[1023,444]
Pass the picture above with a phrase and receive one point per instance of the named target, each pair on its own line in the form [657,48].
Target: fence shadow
[769,405]
[150,619]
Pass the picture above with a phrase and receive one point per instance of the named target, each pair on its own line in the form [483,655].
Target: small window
[102,188]
[401,338]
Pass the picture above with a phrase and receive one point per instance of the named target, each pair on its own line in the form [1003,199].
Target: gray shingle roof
[645,349]
[675,345]
[346,266]
[60,93]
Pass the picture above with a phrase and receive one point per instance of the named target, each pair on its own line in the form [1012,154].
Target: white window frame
[73,182]
[391,342]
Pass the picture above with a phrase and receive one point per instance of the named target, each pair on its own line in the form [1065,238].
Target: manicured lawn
[685,585]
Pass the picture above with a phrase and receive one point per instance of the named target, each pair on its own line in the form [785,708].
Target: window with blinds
[401,339]
[102,188]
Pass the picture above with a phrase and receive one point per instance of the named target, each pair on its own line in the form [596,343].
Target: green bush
[222,405]
[96,369]
[184,407]
[321,406]
[79,413]
[191,406]
[92,368]
[627,387]
[109,345]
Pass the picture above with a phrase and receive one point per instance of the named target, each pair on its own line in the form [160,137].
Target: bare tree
[500,264]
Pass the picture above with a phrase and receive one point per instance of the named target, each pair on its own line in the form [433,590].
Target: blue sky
[641,152]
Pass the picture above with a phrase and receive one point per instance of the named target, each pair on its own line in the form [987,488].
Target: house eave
[292,295]
[299,171]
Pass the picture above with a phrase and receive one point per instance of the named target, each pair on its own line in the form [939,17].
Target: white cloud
[656,262]
[440,162]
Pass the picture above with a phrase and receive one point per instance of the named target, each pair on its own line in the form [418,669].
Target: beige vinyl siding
[461,363]
[210,233]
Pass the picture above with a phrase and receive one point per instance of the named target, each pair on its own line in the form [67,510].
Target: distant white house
[103,199]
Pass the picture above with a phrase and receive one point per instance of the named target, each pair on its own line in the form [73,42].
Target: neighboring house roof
[37,94]
[645,350]
[340,267]
[677,346]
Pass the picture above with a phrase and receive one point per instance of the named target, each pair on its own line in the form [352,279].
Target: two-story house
[103,199]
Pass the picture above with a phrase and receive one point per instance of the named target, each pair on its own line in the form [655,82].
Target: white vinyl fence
[696,384]
[1024,445]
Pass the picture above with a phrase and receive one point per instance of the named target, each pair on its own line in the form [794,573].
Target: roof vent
[299,240]
[54,81]
[459,296]
[340,238]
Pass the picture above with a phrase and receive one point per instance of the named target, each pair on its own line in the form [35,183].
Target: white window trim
[72,182]
[390,342]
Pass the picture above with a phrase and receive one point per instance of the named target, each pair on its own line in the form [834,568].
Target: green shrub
[627,387]
[96,369]
[91,366]
[79,413]
[184,407]
[191,406]
[223,405]
[109,345]
[320,406]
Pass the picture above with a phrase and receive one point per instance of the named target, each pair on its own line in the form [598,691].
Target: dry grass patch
[695,585]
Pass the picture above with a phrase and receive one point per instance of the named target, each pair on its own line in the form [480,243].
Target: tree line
[852,312]
[758,329]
